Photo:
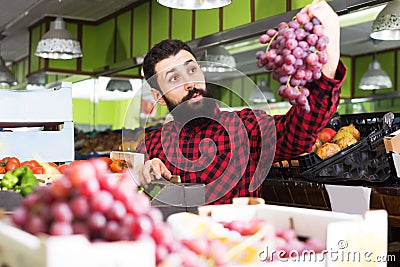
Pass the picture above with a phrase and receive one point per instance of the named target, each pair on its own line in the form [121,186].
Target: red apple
[326,135]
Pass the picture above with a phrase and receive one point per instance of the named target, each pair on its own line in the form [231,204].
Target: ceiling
[17,15]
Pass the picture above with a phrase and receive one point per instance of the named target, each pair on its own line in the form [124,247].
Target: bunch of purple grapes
[295,53]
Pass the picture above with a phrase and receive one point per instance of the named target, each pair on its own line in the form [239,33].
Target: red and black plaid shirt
[226,153]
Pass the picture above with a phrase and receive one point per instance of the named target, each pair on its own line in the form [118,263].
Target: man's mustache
[192,92]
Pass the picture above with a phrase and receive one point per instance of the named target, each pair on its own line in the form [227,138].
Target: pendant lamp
[119,85]
[375,77]
[58,43]
[217,59]
[194,4]
[386,26]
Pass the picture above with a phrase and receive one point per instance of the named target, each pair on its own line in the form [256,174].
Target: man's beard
[195,113]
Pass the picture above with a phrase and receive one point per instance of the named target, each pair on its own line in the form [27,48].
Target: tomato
[38,170]
[3,161]
[35,163]
[106,160]
[62,168]
[31,164]
[12,164]
[118,166]
[2,170]
[52,164]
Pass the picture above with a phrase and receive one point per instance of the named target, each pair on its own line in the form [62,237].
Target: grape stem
[270,42]
[288,81]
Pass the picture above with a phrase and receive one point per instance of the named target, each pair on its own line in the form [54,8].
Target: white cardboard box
[21,249]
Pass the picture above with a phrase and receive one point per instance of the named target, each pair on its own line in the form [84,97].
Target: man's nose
[189,85]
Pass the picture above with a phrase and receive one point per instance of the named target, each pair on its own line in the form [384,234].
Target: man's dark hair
[160,51]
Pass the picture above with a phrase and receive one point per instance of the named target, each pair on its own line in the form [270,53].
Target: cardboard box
[21,249]
[392,142]
[134,160]
[172,198]
[344,234]
[392,145]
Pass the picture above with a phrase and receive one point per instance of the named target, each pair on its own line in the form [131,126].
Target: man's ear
[158,96]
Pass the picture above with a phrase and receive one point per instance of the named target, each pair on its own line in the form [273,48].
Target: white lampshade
[58,43]
[386,26]
[194,4]
[119,85]
[375,78]
[217,59]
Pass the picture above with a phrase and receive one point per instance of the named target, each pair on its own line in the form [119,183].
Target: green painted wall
[123,40]
[181,24]
[231,17]
[159,23]
[264,9]
[141,21]
[206,22]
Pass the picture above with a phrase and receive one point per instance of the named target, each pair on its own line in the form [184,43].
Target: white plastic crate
[49,146]
[25,117]
[42,105]
[21,249]
[344,234]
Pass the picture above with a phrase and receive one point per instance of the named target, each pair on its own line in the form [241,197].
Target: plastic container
[365,160]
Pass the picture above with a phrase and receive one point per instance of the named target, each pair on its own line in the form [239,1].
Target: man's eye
[192,70]
[173,78]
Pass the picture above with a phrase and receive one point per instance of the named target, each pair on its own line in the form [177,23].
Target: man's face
[182,82]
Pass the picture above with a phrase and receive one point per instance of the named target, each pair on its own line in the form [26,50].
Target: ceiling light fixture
[217,59]
[375,77]
[194,4]
[386,25]
[119,85]
[261,93]
[58,43]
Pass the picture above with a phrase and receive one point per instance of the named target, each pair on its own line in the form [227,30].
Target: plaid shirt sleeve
[296,131]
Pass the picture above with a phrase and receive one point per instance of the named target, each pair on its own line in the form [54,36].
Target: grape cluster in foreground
[88,200]
[295,54]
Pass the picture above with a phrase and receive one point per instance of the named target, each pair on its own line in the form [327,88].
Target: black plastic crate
[365,160]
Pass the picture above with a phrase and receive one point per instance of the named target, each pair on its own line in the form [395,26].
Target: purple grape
[271,32]
[308,27]
[291,44]
[315,21]
[312,39]
[265,38]
[294,25]
[300,34]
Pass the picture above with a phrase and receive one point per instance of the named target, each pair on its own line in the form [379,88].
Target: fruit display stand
[37,124]
[21,249]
